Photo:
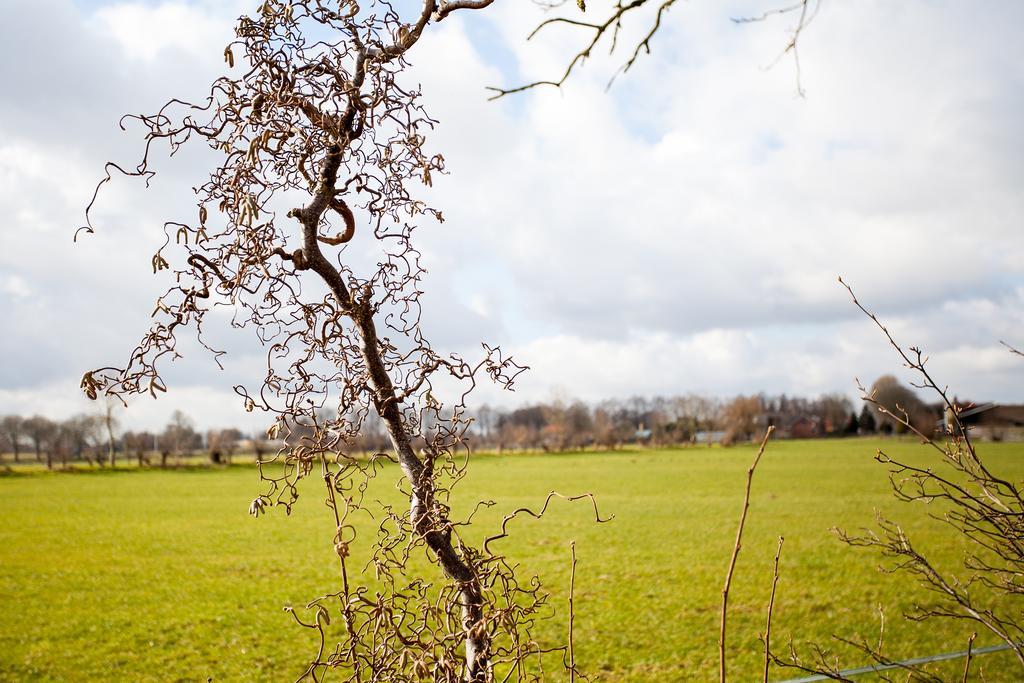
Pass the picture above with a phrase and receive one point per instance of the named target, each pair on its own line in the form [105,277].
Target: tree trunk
[424,514]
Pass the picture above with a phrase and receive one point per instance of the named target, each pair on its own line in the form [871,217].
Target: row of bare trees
[554,426]
[691,419]
[97,439]
[77,438]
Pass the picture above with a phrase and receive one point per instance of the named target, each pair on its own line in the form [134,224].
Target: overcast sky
[680,232]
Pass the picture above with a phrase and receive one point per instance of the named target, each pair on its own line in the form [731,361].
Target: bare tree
[178,438]
[260,446]
[13,427]
[740,417]
[60,446]
[139,443]
[579,425]
[866,422]
[485,423]
[41,432]
[110,424]
[222,444]
[76,439]
[834,412]
[319,109]
[893,401]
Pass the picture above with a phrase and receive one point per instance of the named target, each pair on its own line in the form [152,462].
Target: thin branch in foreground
[983,511]
[806,16]
[967,662]
[735,554]
[1012,349]
[572,613]
[771,606]
[607,32]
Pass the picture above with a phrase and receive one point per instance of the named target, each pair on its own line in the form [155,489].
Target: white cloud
[681,232]
[15,287]
[150,31]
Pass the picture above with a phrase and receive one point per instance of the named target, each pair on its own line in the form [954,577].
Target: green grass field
[162,575]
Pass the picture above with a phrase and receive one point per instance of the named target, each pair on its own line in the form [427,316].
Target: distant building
[709,437]
[994,422]
[804,427]
[642,434]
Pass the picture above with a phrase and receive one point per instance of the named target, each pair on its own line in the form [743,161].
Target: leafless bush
[981,509]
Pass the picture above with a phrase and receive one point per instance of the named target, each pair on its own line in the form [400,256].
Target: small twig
[572,615]
[607,31]
[806,16]
[771,607]
[1012,349]
[881,627]
[967,663]
[735,554]
[544,508]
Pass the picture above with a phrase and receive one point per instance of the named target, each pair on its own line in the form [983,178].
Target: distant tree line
[97,439]
[657,421]
[695,419]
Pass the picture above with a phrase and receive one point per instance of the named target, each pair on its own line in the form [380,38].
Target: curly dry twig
[543,510]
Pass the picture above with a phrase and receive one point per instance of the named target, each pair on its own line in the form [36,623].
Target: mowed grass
[162,575]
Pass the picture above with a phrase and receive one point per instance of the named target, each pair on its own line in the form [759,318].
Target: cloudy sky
[680,232]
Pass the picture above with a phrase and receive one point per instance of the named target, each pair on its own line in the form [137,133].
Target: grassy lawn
[162,575]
